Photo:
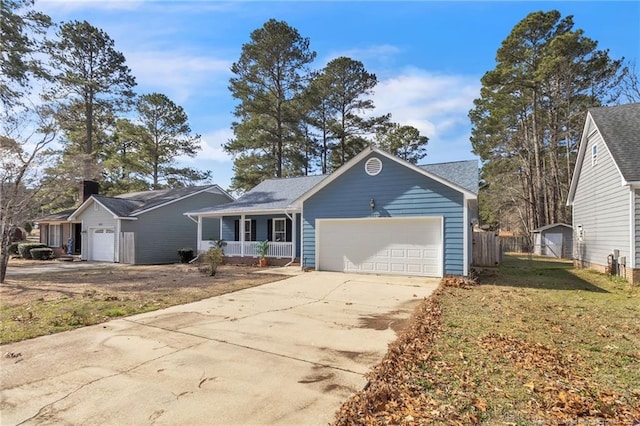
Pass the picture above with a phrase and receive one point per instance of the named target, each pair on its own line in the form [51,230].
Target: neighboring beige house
[605,191]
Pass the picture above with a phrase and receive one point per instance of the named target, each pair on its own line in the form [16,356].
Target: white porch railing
[234,248]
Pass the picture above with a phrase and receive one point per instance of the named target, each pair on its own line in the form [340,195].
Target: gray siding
[94,216]
[210,228]
[637,219]
[161,232]
[601,206]
[397,191]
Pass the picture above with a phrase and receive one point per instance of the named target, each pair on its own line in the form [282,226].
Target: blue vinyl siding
[396,191]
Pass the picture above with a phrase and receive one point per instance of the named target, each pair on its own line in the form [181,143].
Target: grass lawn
[44,303]
[538,342]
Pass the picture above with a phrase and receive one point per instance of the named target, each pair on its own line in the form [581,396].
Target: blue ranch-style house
[375,214]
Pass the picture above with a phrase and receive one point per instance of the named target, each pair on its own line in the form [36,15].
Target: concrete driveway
[288,352]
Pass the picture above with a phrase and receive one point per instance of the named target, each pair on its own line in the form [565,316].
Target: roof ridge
[448,162]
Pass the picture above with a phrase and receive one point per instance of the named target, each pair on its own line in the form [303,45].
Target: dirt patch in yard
[54,300]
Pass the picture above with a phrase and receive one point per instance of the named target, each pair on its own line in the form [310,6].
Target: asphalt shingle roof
[55,217]
[462,173]
[132,203]
[271,194]
[620,129]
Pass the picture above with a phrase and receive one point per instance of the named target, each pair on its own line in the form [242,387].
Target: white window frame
[54,237]
[247,229]
[594,154]
[282,232]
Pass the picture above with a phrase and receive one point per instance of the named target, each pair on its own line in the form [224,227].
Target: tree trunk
[89,143]
[537,157]
[4,252]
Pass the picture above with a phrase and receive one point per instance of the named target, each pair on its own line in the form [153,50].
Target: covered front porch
[241,234]
[249,248]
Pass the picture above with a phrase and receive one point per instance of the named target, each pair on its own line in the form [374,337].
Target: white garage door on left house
[102,244]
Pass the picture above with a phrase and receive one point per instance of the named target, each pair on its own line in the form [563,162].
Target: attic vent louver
[373,166]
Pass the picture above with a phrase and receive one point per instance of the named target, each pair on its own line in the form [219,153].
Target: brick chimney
[88,188]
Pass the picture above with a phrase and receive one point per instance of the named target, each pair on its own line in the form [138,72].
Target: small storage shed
[555,240]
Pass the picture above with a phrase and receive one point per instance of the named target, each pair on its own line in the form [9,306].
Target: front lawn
[45,303]
[536,343]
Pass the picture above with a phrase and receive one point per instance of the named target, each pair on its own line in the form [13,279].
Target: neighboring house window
[594,154]
[54,235]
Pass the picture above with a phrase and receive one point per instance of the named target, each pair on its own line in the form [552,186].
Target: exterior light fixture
[372,204]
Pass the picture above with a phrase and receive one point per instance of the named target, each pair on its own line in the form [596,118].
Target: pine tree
[269,78]
[93,80]
[527,121]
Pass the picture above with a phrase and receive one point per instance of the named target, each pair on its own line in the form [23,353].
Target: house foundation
[630,274]
[253,261]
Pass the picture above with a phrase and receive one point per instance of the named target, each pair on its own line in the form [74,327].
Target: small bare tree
[25,138]
[630,85]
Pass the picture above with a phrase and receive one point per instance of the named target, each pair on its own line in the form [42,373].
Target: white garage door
[102,244]
[404,246]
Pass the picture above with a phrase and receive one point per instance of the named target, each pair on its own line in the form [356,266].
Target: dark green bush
[41,253]
[13,248]
[186,255]
[25,248]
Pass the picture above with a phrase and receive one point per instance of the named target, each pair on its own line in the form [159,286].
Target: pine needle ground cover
[536,343]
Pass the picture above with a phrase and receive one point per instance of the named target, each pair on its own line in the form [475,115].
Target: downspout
[293,237]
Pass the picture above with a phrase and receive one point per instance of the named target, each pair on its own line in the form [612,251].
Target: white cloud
[371,53]
[178,74]
[211,148]
[436,104]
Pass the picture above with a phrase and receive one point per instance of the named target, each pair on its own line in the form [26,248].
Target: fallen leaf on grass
[480,404]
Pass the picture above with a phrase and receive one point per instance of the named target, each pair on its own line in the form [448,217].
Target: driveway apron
[288,352]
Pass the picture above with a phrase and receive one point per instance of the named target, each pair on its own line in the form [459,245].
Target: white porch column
[293,237]
[242,235]
[199,240]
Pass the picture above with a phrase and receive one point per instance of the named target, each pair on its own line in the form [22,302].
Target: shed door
[403,246]
[102,244]
[553,244]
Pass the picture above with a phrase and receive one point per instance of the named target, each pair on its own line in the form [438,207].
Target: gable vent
[373,166]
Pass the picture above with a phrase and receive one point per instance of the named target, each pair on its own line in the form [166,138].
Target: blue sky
[428,56]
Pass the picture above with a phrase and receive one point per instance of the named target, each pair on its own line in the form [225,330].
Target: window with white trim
[55,233]
[280,229]
[247,229]
[594,154]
